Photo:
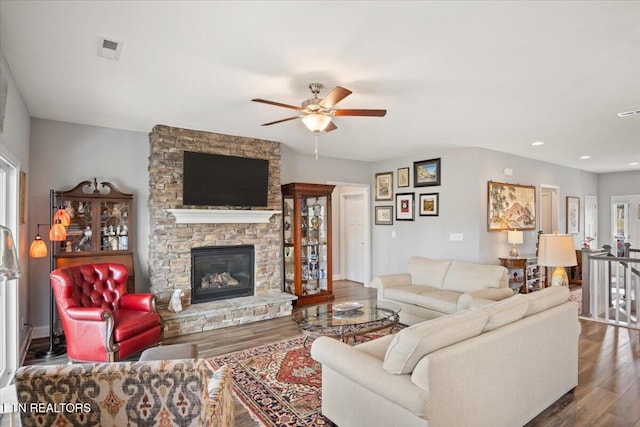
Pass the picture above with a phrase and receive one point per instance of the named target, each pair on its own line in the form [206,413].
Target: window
[9,357]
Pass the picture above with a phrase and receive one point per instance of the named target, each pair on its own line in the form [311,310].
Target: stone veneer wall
[170,243]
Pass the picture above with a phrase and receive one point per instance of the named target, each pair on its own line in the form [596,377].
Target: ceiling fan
[316,113]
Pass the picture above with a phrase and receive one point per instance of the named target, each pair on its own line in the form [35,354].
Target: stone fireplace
[221,272]
[173,237]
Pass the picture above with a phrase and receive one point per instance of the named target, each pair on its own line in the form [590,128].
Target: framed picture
[384,186]
[426,173]
[573,215]
[384,215]
[511,207]
[404,206]
[429,204]
[403,177]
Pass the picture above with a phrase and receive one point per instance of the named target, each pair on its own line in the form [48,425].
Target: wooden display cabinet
[524,273]
[101,228]
[306,225]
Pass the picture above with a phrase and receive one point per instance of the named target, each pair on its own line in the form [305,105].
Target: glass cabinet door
[289,257]
[314,245]
[79,231]
[114,225]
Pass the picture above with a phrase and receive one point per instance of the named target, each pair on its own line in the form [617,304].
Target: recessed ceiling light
[634,164]
[536,143]
[585,157]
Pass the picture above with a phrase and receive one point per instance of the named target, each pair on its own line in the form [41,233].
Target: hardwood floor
[608,393]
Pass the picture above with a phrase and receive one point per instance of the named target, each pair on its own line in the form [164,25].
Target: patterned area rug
[576,295]
[280,384]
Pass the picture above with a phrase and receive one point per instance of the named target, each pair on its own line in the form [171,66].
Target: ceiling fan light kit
[316,113]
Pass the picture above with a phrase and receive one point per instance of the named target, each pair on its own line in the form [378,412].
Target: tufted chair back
[92,285]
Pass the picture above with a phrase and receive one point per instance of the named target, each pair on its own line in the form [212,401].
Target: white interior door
[545,213]
[591,220]
[354,237]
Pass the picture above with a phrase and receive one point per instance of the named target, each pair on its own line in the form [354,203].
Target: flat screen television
[217,180]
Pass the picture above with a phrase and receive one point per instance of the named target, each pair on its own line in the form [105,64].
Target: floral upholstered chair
[182,392]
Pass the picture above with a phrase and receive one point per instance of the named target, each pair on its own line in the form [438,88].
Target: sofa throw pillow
[506,311]
[413,343]
[427,272]
[546,298]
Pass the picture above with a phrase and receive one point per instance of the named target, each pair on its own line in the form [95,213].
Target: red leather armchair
[101,322]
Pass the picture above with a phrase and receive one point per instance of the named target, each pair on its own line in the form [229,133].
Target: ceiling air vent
[109,49]
[629,113]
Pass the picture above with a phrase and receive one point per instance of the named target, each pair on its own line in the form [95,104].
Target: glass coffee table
[346,319]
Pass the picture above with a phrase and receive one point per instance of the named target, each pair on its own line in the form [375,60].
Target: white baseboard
[338,276]
[40,332]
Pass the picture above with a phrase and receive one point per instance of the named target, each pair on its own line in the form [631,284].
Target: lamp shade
[556,250]
[316,122]
[515,237]
[57,232]
[38,248]
[9,265]
[63,216]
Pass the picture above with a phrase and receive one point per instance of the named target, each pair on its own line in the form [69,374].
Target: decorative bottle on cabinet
[307,241]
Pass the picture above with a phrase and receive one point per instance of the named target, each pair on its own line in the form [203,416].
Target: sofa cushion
[427,272]
[468,277]
[506,311]
[413,343]
[546,298]
[408,294]
[441,301]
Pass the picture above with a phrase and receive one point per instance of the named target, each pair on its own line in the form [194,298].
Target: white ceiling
[498,75]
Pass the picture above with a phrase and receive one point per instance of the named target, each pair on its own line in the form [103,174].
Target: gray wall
[613,184]
[15,140]
[65,154]
[463,207]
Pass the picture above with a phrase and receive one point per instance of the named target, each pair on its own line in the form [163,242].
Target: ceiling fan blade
[277,104]
[331,126]
[360,112]
[280,121]
[336,95]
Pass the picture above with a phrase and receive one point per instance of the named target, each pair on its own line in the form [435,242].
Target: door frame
[555,207]
[366,192]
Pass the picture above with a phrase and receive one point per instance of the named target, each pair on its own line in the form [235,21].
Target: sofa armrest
[140,302]
[366,370]
[390,281]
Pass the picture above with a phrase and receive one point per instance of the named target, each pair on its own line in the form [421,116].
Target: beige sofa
[495,365]
[432,288]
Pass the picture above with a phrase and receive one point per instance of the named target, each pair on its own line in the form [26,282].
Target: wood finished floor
[608,392]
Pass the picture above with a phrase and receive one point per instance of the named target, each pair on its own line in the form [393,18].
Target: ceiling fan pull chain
[316,151]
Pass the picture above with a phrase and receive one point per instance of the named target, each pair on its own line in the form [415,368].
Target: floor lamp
[38,249]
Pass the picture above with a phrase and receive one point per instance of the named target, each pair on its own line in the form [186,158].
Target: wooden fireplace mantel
[221,216]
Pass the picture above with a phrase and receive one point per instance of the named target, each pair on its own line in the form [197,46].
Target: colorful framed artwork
[403,177]
[429,204]
[426,173]
[384,186]
[510,206]
[384,215]
[573,215]
[404,206]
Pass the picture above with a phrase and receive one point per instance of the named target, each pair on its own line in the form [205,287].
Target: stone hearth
[171,240]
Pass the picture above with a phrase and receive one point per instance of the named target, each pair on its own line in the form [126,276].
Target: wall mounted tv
[217,180]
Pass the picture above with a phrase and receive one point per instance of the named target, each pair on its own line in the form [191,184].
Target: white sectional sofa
[432,288]
[496,365]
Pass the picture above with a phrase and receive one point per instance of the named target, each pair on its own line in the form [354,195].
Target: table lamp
[515,237]
[557,250]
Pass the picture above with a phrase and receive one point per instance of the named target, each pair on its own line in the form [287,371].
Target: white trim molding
[221,216]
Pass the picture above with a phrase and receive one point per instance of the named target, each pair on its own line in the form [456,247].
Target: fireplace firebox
[221,272]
